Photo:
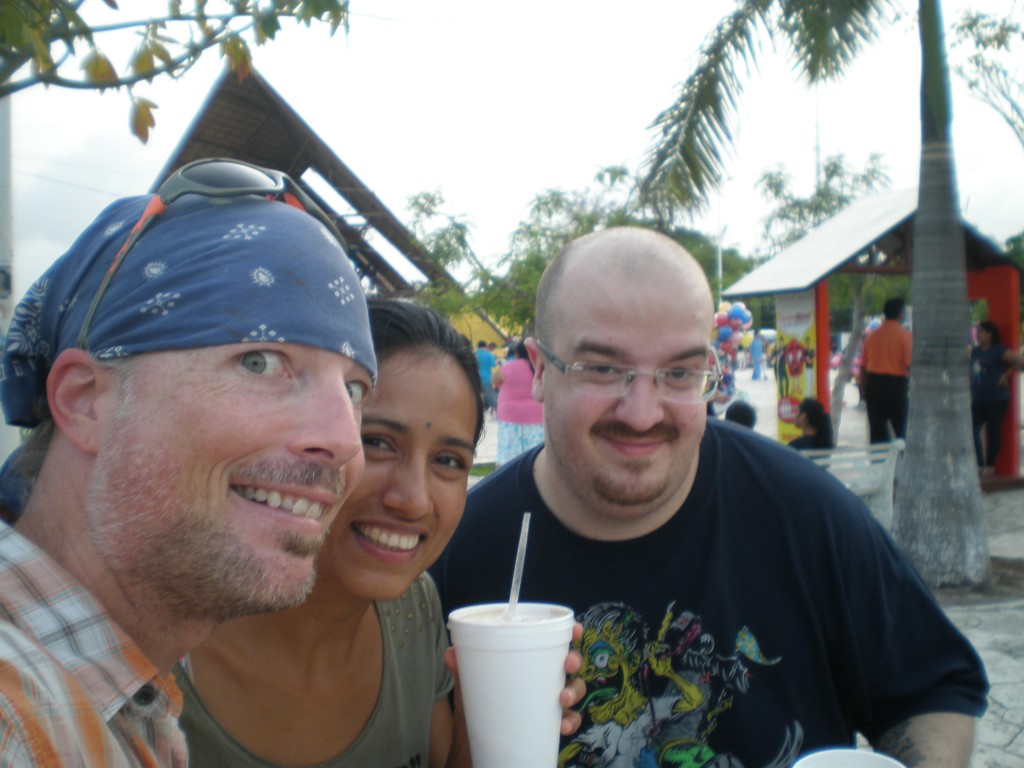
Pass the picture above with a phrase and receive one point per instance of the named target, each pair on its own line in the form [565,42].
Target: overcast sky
[493,103]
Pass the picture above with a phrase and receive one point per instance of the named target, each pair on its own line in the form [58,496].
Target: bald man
[740,606]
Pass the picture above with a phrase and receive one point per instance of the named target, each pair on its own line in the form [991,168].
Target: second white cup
[846,758]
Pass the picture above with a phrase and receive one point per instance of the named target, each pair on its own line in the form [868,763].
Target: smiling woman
[355,676]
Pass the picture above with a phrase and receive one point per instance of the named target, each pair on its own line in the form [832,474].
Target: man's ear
[73,390]
[539,363]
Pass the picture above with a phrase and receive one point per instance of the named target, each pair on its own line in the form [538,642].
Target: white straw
[517,573]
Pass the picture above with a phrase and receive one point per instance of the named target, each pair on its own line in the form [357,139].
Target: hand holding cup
[512,681]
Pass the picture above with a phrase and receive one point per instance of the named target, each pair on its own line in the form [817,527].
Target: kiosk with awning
[871,235]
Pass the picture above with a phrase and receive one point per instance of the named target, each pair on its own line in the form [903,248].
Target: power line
[67,183]
[101,168]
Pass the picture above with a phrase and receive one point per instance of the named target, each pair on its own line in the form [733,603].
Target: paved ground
[994,624]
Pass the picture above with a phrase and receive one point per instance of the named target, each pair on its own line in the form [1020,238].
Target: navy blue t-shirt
[769,617]
[987,368]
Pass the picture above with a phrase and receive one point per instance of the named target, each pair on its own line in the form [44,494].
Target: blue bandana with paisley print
[206,273]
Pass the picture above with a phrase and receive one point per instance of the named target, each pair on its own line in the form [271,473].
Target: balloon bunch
[732,322]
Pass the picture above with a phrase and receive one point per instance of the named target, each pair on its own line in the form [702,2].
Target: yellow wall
[471,325]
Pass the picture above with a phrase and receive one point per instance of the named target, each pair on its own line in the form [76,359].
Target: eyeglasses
[215,178]
[680,385]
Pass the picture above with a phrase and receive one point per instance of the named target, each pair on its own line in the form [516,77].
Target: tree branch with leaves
[40,40]
[506,292]
[992,71]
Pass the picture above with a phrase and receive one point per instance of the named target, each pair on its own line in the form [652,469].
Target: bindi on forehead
[429,424]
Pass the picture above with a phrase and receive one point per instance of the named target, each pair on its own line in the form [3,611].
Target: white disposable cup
[846,758]
[510,675]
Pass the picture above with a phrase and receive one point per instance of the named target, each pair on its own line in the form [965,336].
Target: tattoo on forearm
[897,743]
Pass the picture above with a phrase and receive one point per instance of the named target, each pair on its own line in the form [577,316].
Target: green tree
[837,186]
[793,217]
[1015,248]
[41,40]
[506,292]
[556,217]
[938,516]
[992,70]
[446,238]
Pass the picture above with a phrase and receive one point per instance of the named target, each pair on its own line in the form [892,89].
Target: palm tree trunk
[846,361]
[938,518]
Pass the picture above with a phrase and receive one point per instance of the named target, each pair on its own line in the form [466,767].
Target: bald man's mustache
[615,430]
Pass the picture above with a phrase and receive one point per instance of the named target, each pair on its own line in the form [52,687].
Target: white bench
[868,471]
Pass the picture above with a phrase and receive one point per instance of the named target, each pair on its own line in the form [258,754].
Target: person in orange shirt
[885,366]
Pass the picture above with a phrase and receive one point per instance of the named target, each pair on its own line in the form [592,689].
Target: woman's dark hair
[991,329]
[819,420]
[519,350]
[399,325]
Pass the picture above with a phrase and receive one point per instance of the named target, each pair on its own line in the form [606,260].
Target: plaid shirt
[74,689]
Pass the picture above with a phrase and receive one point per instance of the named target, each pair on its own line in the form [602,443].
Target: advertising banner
[794,357]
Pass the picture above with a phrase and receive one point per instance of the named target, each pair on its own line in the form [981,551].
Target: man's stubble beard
[165,551]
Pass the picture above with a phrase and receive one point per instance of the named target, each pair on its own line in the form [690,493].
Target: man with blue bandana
[192,370]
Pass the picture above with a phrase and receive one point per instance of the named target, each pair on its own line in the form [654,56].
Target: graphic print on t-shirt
[655,695]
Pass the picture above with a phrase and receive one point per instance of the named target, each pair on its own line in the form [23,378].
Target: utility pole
[718,244]
[718,267]
[9,436]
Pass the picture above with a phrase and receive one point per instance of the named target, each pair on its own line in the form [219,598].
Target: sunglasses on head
[214,178]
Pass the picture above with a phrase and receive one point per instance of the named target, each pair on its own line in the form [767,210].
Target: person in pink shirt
[520,417]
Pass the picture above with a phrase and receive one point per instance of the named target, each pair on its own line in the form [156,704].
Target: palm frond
[685,162]
[826,35]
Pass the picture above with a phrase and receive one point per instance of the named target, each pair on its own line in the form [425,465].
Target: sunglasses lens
[221,175]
